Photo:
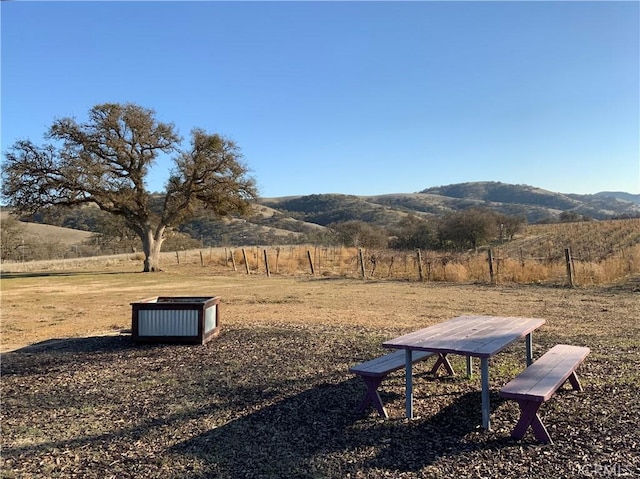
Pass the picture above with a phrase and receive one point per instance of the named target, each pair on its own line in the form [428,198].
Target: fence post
[570,268]
[420,273]
[177,257]
[201,259]
[389,274]
[266,263]
[490,259]
[246,263]
[362,271]
[310,262]
[233,261]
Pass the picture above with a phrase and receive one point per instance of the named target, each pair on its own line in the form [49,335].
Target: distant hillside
[534,204]
[68,236]
[619,195]
[502,193]
[298,219]
[334,208]
[538,204]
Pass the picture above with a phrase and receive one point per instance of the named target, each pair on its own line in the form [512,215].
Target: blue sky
[360,98]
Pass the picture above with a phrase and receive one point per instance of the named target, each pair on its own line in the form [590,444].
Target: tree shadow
[41,357]
[56,274]
[117,341]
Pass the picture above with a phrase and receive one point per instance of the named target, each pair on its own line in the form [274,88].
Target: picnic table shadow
[318,433]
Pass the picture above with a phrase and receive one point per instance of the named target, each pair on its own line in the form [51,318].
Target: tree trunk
[151,245]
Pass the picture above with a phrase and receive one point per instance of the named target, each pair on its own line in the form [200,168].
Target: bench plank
[539,382]
[383,365]
[545,376]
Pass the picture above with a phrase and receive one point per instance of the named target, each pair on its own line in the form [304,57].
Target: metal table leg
[529,345]
[484,366]
[409,383]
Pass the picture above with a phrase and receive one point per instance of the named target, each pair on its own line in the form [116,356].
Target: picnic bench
[375,370]
[539,382]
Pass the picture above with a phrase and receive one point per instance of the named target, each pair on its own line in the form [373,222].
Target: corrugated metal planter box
[179,319]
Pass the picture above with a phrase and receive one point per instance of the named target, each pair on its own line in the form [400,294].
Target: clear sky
[360,98]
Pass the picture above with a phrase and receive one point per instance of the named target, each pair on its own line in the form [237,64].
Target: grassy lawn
[272,396]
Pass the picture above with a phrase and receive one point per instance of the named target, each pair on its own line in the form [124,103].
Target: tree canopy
[106,160]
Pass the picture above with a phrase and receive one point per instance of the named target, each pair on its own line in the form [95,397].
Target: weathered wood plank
[539,382]
[383,365]
[480,336]
[545,376]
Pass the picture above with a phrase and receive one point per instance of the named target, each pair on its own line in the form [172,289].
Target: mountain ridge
[532,203]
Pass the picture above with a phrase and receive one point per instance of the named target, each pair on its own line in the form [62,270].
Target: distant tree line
[457,231]
[467,229]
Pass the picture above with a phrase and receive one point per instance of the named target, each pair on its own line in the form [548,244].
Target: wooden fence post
[201,259]
[361,258]
[177,257]
[277,257]
[570,267]
[266,263]
[246,263]
[389,274]
[490,259]
[420,272]
[233,260]
[310,262]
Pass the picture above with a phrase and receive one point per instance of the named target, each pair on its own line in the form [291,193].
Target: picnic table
[470,336]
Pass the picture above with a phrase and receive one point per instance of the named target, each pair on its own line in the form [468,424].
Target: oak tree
[106,160]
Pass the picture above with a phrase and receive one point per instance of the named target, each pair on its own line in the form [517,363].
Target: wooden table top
[479,336]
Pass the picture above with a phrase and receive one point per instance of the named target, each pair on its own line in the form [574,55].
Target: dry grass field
[272,396]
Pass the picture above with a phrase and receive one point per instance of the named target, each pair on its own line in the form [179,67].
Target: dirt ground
[272,397]
[38,306]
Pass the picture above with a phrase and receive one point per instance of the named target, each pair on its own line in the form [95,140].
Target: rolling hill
[68,236]
[297,219]
[534,204]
